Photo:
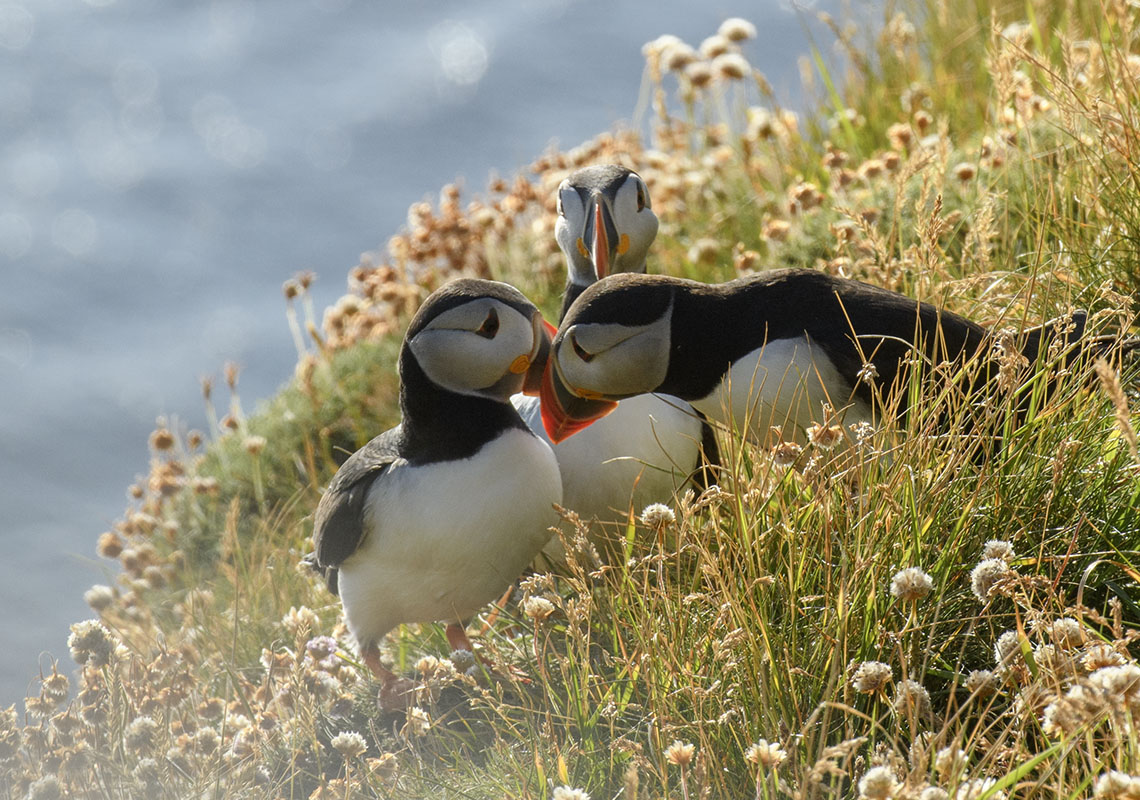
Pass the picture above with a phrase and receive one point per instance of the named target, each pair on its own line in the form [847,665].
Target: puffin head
[605,223]
[613,343]
[480,337]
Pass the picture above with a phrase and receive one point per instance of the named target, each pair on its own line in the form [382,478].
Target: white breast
[785,384]
[639,453]
[445,539]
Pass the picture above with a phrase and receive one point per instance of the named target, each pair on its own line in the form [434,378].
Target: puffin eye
[642,197]
[490,325]
[580,351]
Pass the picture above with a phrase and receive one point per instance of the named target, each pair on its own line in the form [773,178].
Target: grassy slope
[990,173]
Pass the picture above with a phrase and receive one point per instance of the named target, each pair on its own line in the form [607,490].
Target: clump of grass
[916,613]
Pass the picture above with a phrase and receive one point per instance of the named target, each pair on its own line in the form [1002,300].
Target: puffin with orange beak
[436,517]
[650,446]
[770,350]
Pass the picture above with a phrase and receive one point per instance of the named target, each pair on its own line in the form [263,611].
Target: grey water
[165,166]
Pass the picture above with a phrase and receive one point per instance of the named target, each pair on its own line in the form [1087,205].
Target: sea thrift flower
[871,677]
[658,516]
[911,585]
[1115,784]
[419,723]
[911,698]
[785,454]
[1067,632]
[824,436]
[1007,648]
[736,29]
[732,66]
[766,754]
[997,548]
[568,793]
[349,744]
[680,754]
[933,793]
[538,608]
[142,734]
[1101,655]
[981,682]
[91,643]
[99,597]
[878,783]
[950,762]
[986,575]
[972,790]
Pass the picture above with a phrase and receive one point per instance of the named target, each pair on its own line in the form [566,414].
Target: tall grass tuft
[945,607]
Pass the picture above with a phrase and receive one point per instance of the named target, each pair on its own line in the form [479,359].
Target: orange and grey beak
[602,235]
[543,335]
[564,413]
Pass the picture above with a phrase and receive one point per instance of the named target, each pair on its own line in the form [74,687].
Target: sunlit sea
[165,166]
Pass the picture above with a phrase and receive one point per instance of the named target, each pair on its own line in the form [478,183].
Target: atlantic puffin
[651,445]
[438,516]
[757,353]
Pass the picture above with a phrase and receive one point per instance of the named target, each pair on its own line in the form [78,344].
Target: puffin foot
[396,693]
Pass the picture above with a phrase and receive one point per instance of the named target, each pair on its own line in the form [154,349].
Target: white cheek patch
[626,360]
[465,362]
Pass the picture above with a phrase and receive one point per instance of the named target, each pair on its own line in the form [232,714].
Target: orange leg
[396,693]
[457,638]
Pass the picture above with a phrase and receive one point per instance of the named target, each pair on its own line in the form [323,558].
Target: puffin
[650,445]
[765,352]
[438,516]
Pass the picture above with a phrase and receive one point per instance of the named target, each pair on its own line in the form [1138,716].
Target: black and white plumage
[650,446]
[768,350]
[438,516]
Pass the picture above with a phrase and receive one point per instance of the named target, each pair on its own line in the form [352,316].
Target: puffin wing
[338,525]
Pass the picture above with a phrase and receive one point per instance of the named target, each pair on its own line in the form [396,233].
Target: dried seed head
[981,682]
[538,608]
[349,744]
[1007,648]
[99,597]
[161,439]
[680,754]
[878,783]
[658,516]
[91,643]
[912,700]
[965,171]
[777,230]
[911,585]
[998,548]
[933,793]
[736,29]
[1114,784]
[871,677]
[986,576]
[254,445]
[825,436]
[732,66]
[699,73]
[418,722]
[1067,633]
[950,763]
[679,56]
[785,454]
[569,793]
[768,755]
[141,735]
[716,45]
[1102,655]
